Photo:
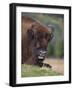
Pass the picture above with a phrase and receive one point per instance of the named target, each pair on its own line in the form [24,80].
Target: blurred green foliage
[56,45]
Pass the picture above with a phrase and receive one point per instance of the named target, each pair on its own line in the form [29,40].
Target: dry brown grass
[57,64]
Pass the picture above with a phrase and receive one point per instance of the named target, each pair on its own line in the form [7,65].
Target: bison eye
[30,34]
[46,35]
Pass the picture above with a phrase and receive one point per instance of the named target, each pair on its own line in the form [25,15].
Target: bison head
[39,35]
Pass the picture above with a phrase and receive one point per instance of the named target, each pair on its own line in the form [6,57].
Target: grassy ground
[33,71]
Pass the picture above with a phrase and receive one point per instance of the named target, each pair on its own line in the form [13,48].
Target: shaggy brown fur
[34,35]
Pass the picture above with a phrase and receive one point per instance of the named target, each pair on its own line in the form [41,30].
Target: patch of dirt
[57,64]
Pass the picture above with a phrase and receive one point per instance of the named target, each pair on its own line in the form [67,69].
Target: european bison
[35,38]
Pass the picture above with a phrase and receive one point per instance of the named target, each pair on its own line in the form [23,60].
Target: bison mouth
[41,53]
[40,56]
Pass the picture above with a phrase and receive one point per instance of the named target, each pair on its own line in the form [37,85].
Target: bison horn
[51,26]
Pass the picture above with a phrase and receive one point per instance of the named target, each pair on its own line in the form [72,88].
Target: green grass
[35,71]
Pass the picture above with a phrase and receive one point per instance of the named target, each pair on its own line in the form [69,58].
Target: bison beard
[35,38]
